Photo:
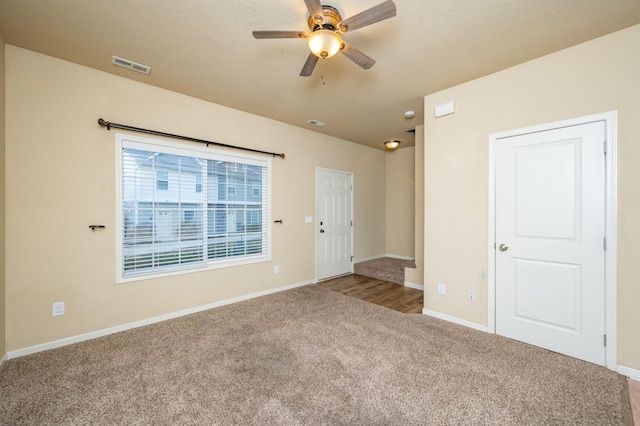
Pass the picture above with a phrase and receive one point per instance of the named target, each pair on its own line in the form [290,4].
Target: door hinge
[351,223]
[351,259]
[605,340]
[604,147]
[604,243]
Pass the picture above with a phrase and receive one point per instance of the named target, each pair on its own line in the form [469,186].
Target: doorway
[334,223]
[552,237]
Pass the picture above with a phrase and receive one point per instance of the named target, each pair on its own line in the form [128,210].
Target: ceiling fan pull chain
[322,71]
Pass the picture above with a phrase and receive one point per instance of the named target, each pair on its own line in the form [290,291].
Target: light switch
[308,219]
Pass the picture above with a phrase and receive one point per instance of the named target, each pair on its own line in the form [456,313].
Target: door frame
[611,223]
[317,227]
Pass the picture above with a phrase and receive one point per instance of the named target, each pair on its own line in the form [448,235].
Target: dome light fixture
[324,43]
[392,144]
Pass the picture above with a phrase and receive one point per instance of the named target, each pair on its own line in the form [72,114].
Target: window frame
[189,150]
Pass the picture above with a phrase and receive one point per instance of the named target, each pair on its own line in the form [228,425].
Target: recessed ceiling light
[316,123]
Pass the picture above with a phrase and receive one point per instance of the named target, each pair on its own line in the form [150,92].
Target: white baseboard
[397,256]
[632,373]
[111,330]
[366,259]
[4,358]
[414,285]
[380,256]
[456,320]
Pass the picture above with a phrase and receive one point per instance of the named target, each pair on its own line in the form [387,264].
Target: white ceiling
[205,49]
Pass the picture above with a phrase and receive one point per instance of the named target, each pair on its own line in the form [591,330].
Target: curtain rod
[109,125]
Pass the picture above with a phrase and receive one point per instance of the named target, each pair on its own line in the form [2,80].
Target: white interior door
[334,223]
[550,229]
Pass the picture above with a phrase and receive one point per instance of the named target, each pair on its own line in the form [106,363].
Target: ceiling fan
[326,25]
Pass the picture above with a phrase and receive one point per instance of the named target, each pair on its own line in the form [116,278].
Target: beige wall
[400,205]
[60,178]
[3,334]
[594,77]
[416,276]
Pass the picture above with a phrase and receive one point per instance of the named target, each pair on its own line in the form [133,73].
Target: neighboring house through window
[185,208]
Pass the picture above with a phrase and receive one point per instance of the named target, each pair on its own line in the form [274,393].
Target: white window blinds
[183,208]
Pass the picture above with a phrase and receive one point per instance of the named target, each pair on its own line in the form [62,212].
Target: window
[255,190]
[253,217]
[165,227]
[162,179]
[198,183]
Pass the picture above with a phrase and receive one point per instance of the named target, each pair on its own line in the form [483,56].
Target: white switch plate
[308,219]
[276,269]
[442,289]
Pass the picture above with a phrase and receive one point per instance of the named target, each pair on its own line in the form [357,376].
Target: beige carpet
[307,356]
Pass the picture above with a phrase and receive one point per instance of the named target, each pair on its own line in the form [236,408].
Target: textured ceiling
[205,49]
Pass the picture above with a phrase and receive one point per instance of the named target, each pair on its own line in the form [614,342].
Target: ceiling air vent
[125,63]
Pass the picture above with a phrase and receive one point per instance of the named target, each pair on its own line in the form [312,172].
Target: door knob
[322,231]
[503,247]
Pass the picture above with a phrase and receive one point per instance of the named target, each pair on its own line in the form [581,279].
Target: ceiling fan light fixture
[324,43]
[392,144]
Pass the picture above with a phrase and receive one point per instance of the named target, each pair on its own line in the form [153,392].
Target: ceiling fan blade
[377,13]
[309,65]
[315,10]
[278,34]
[357,56]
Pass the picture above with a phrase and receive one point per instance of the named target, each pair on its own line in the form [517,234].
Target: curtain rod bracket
[109,125]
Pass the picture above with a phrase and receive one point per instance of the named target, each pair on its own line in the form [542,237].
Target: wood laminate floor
[383,293]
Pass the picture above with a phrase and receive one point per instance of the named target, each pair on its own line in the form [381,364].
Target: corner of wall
[3,308]
[416,275]
[400,202]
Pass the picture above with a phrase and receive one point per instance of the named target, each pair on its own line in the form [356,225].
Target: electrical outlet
[276,269]
[442,289]
[471,295]
[58,309]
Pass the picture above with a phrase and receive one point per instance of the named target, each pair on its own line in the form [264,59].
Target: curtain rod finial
[104,123]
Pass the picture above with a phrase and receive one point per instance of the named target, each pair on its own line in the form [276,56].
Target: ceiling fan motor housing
[331,19]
